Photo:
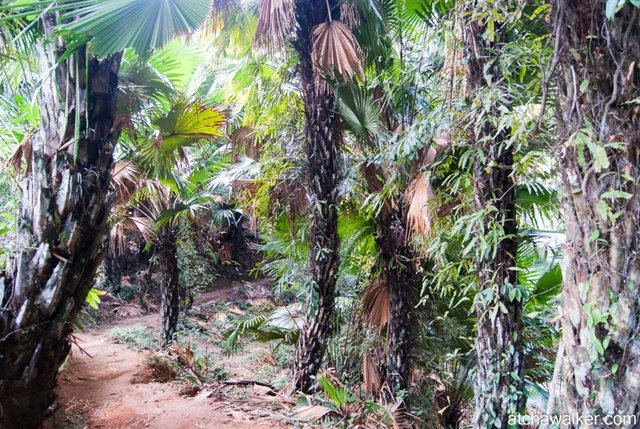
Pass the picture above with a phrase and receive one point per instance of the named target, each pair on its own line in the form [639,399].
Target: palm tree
[598,90]
[382,118]
[326,50]
[160,148]
[499,351]
[65,206]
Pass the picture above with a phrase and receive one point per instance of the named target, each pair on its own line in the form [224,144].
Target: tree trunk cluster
[62,222]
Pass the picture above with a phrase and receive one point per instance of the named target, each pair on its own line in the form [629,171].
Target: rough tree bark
[499,379]
[400,273]
[62,222]
[599,153]
[323,136]
[170,292]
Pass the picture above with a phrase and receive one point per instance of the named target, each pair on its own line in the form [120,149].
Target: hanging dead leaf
[370,376]
[21,155]
[276,22]
[419,215]
[376,303]
[335,51]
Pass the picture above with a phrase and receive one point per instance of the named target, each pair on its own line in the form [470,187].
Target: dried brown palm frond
[119,233]
[370,376]
[124,310]
[21,154]
[420,196]
[349,14]
[126,179]
[244,142]
[335,51]
[219,14]
[376,303]
[219,7]
[276,22]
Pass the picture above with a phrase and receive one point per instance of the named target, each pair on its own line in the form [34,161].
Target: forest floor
[117,377]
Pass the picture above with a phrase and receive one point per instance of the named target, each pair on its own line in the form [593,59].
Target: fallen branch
[249,383]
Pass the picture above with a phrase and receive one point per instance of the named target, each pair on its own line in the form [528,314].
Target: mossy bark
[499,351]
[599,156]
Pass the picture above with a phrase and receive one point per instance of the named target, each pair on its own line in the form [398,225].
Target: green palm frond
[360,113]
[188,122]
[144,25]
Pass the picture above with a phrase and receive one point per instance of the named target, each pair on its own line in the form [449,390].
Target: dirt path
[105,391]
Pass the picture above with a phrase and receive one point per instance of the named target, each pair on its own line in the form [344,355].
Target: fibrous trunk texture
[62,222]
[323,136]
[400,273]
[599,148]
[170,292]
[499,324]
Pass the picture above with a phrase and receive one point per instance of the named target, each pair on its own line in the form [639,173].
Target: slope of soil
[109,387]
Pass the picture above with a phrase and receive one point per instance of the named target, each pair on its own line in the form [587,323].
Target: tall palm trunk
[499,325]
[323,136]
[599,141]
[401,276]
[170,285]
[62,222]
[399,273]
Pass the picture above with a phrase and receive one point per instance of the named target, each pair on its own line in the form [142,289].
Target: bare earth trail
[104,391]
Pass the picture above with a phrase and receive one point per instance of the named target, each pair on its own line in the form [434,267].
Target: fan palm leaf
[113,25]
[336,51]
[276,22]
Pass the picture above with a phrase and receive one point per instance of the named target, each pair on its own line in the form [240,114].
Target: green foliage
[197,264]
[137,336]
[337,395]
[281,324]
[143,25]
[93,298]
[8,217]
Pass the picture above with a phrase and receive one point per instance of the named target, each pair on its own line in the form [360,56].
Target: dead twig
[249,383]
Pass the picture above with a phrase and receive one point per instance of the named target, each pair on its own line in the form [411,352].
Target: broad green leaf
[93,298]
[187,123]
[584,85]
[599,154]
[144,25]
